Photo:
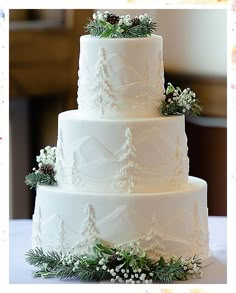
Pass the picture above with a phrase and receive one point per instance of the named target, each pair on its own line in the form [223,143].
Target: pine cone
[113,258]
[169,96]
[136,21]
[47,170]
[112,18]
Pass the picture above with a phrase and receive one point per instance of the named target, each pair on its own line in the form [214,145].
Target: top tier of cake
[120,78]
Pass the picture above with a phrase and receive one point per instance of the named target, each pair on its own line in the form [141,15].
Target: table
[21,272]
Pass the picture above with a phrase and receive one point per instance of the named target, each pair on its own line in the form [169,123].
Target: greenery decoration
[110,25]
[45,174]
[122,264]
[178,102]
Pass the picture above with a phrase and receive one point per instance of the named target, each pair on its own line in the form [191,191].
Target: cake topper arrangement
[110,25]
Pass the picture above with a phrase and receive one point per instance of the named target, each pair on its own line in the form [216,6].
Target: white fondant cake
[122,167]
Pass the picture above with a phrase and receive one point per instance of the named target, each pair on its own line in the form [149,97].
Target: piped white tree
[89,231]
[149,96]
[125,178]
[152,91]
[205,234]
[102,89]
[196,238]
[75,178]
[151,241]
[36,231]
[181,170]
[61,237]
[60,162]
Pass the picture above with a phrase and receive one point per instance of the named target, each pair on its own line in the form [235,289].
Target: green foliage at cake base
[122,264]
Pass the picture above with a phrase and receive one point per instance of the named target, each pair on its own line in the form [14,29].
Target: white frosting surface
[113,156]
[170,223]
[120,78]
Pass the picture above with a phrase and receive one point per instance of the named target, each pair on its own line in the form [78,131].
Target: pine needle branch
[119,264]
[33,179]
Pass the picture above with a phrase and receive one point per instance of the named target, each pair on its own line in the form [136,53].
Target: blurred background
[44,52]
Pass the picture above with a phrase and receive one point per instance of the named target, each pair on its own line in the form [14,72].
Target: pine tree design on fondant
[36,229]
[61,237]
[205,234]
[151,242]
[196,238]
[125,179]
[89,231]
[60,162]
[153,92]
[75,176]
[102,89]
[181,166]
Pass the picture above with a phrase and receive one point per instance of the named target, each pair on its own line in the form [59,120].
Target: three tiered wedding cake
[121,165]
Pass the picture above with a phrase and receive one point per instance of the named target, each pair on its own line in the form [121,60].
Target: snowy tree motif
[61,237]
[75,176]
[103,97]
[196,236]
[151,242]
[125,178]
[36,229]
[89,232]
[60,164]
[181,170]
[205,234]
[153,92]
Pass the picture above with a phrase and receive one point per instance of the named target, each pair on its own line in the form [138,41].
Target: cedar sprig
[33,179]
[109,25]
[178,102]
[123,264]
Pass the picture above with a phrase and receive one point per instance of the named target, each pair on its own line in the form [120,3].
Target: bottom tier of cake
[167,224]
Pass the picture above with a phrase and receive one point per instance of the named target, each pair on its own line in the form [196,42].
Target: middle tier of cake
[128,156]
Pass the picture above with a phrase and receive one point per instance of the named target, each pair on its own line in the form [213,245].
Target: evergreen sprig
[102,25]
[35,178]
[45,174]
[178,102]
[128,264]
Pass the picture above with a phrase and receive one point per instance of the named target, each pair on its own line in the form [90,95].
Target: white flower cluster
[100,16]
[185,99]
[192,267]
[122,274]
[119,274]
[68,259]
[132,247]
[47,157]
[129,276]
[124,19]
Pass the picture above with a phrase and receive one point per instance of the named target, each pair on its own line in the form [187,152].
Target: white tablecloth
[21,272]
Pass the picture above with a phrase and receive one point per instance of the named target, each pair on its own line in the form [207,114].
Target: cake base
[167,224]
